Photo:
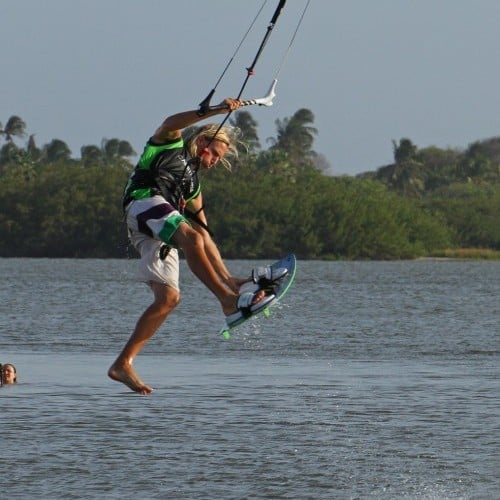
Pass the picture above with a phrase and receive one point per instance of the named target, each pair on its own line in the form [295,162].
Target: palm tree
[91,155]
[407,175]
[9,153]
[408,178]
[57,150]
[296,135]
[15,126]
[404,151]
[112,151]
[248,126]
[116,148]
[31,148]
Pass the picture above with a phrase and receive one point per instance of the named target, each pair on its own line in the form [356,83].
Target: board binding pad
[279,288]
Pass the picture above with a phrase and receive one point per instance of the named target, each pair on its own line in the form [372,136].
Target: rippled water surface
[370,380]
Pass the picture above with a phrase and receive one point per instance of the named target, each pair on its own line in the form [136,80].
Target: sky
[371,71]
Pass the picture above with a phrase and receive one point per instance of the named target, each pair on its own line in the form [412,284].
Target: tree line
[275,200]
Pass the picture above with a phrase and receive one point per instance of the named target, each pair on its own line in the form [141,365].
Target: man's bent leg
[165,301]
[192,244]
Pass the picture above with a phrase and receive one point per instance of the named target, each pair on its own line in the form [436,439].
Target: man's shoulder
[155,152]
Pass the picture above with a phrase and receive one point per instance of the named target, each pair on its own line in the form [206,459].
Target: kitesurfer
[163,207]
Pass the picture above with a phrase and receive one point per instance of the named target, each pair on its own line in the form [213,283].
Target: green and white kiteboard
[279,288]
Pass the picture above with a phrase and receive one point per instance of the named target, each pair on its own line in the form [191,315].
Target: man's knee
[172,299]
[166,298]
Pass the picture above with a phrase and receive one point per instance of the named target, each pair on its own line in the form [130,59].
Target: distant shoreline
[452,254]
[466,254]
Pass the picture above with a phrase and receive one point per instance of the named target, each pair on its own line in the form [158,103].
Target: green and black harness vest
[163,169]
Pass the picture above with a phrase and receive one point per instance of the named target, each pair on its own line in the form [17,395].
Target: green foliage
[363,220]
[472,211]
[275,201]
[62,211]
[316,216]
[418,172]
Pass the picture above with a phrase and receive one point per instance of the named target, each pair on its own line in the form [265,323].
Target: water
[371,380]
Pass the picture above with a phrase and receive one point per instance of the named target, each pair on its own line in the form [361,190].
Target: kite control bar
[260,101]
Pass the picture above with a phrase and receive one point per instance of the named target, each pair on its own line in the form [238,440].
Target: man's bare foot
[124,373]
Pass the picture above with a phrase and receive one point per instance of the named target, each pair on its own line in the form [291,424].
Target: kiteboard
[278,288]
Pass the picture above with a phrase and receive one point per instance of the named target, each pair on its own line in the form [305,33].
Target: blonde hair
[213,132]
